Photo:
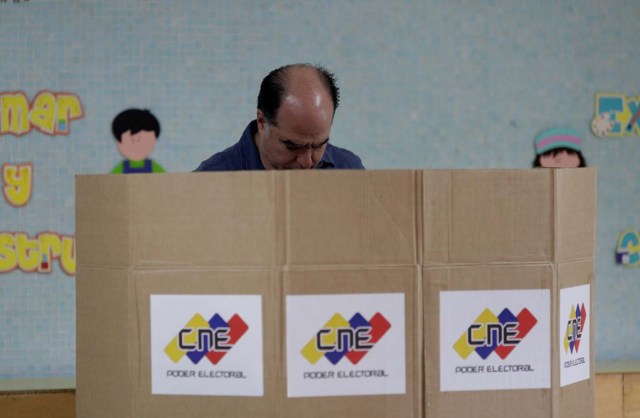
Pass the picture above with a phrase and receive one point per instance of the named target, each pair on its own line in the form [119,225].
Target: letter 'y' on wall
[17,181]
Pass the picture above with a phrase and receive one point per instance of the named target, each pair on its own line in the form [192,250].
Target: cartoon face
[138,146]
[560,159]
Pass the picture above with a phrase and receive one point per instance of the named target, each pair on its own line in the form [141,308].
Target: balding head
[295,112]
[305,82]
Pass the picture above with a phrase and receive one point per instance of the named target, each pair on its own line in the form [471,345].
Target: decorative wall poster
[616,115]
[559,147]
[136,131]
[49,113]
[628,249]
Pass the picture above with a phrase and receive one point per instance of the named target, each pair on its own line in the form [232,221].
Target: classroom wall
[425,84]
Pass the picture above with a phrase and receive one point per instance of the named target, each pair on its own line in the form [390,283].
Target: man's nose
[305,159]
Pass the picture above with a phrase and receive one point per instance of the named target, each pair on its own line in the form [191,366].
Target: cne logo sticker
[487,343]
[200,338]
[573,332]
[206,344]
[490,333]
[340,338]
[345,344]
[575,325]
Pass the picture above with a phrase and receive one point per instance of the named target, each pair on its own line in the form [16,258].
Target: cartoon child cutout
[137,132]
[559,148]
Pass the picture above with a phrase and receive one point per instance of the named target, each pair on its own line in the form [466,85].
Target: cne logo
[201,338]
[575,326]
[490,333]
[340,338]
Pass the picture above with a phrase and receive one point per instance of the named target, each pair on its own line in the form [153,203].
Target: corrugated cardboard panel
[350,217]
[102,216]
[486,216]
[106,326]
[530,403]
[208,282]
[578,399]
[632,395]
[576,213]
[204,219]
[608,396]
[167,220]
[332,281]
[436,214]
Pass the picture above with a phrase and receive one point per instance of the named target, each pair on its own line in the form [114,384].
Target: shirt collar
[327,159]
[249,148]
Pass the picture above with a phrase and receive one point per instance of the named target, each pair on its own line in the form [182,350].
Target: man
[296,106]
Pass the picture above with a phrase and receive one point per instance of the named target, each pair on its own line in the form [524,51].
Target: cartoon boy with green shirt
[137,132]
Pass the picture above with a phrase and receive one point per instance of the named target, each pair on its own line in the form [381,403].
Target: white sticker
[495,339]
[206,345]
[345,345]
[574,314]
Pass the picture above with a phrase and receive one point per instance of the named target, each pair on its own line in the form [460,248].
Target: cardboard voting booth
[508,282]
[414,293]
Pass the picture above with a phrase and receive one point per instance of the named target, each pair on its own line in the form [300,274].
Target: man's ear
[260,119]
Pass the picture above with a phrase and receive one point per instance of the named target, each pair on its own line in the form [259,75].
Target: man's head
[296,105]
[559,148]
[137,132]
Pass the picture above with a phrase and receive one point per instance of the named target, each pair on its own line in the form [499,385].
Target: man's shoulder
[227,160]
[243,155]
[343,158]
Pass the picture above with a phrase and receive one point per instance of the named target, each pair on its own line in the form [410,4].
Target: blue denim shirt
[244,155]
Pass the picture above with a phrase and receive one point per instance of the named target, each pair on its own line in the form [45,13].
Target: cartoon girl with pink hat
[559,148]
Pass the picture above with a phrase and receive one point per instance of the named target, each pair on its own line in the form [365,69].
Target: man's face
[138,146]
[560,159]
[285,149]
[300,135]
